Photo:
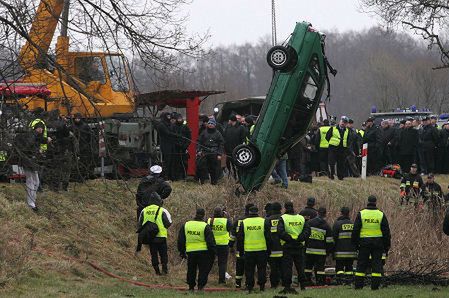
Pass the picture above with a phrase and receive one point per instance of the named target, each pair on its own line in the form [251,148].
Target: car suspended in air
[300,75]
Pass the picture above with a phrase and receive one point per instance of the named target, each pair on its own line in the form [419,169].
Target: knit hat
[200,212]
[212,122]
[276,206]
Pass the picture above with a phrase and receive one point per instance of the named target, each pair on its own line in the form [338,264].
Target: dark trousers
[198,261]
[252,260]
[337,155]
[405,161]
[158,249]
[375,249]
[427,159]
[209,165]
[344,268]
[222,259]
[239,269]
[275,271]
[290,258]
[315,264]
[323,156]
[373,162]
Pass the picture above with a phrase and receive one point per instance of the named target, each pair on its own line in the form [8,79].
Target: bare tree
[430,19]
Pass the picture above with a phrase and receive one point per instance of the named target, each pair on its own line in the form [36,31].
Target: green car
[300,75]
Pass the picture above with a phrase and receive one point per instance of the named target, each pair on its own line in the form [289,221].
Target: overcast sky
[240,21]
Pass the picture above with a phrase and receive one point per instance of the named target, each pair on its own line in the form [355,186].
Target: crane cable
[273,23]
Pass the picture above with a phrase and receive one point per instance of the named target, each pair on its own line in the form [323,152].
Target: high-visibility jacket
[323,142]
[149,214]
[219,229]
[336,139]
[195,238]
[293,225]
[361,132]
[33,123]
[254,233]
[251,131]
[3,155]
[371,223]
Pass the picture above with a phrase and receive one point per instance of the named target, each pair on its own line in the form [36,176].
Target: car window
[310,89]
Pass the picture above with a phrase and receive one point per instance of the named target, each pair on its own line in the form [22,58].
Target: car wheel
[245,156]
[282,58]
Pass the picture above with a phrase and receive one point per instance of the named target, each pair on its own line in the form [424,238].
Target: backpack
[147,232]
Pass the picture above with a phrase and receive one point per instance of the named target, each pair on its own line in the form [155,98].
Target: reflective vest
[251,131]
[335,139]
[254,231]
[195,239]
[323,142]
[371,220]
[149,214]
[361,132]
[293,225]
[221,234]
[33,124]
[3,155]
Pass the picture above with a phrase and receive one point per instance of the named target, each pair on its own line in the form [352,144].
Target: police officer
[154,212]
[323,146]
[293,231]
[411,186]
[344,252]
[254,245]
[221,226]
[152,182]
[275,258]
[318,246]
[371,236]
[338,138]
[196,243]
[240,259]
[428,137]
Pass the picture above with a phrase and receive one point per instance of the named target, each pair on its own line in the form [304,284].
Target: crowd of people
[281,240]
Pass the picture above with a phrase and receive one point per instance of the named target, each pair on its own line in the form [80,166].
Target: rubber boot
[262,288]
[238,283]
[358,282]
[156,269]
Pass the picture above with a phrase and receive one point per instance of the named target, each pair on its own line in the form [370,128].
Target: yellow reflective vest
[195,239]
[371,222]
[149,214]
[293,225]
[254,231]
[336,139]
[219,230]
[33,123]
[323,142]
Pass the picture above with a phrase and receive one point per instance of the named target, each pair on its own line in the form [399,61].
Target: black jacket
[446,222]
[208,235]
[83,134]
[149,184]
[412,184]
[327,242]
[384,226]
[342,231]
[233,135]
[183,137]
[308,213]
[373,138]
[241,237]
[271,224]
[27,145]
[167,135]
[407,142]
[290,243]
[211,141]
[433,189]
[428,137]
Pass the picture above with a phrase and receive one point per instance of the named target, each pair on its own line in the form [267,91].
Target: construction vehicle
[291,105]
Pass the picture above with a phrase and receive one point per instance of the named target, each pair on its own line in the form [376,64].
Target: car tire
[246,156]
[282,58]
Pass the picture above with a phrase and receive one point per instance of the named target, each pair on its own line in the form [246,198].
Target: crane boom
[32,54]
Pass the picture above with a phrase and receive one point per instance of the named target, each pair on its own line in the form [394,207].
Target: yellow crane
[95,84]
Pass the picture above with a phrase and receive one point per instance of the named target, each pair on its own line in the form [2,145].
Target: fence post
[364,160]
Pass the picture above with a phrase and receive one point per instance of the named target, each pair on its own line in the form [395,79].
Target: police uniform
[338,146]
[371,235]
[253,244]
[293,230]
[220,228]
[344,252]
[197,241]
[318,246]
[275,257]
[158,248]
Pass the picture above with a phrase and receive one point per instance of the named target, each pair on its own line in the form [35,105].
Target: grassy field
[47,254]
